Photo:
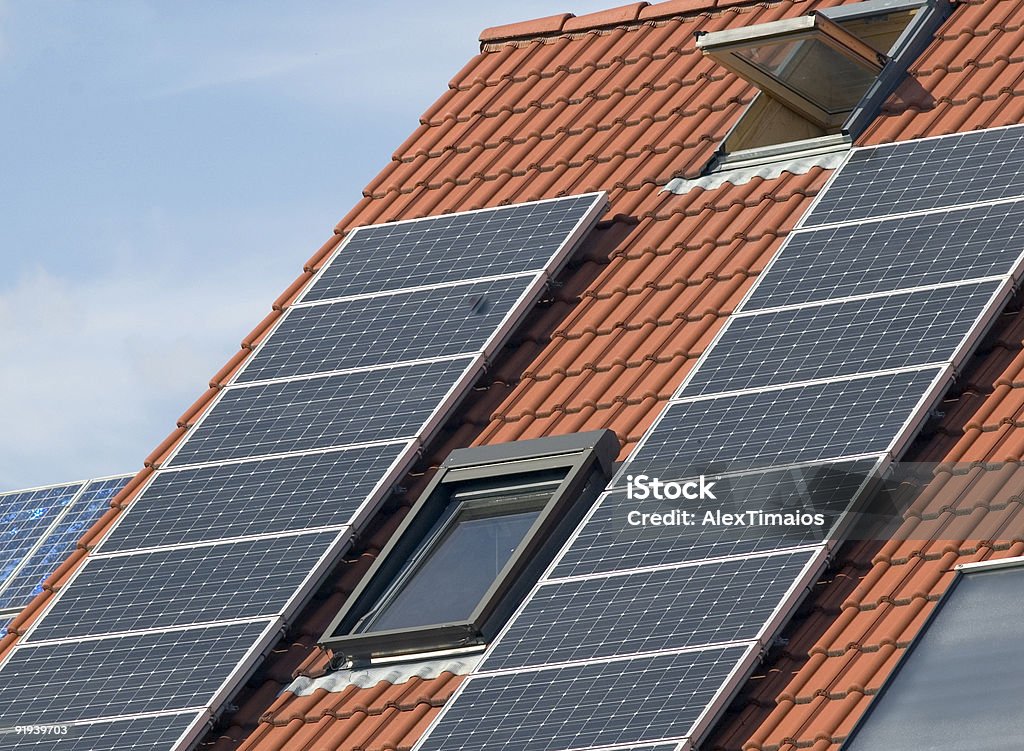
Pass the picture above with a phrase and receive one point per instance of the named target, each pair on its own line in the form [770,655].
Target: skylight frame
[724,46]
[586,459]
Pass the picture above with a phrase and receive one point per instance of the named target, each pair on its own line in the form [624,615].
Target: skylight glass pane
[457,566]
[960,686]
[834,82]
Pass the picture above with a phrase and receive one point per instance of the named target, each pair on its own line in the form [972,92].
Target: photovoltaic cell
[252,498]
[324,412]
[371,331]
[609,542]
[787,426]
[925,174]
[829,340]
[453,248]
[27,582]
[893,254]
[168,588]
[575,706]
[157,733]
[24,518]
[647,611]
[56,683]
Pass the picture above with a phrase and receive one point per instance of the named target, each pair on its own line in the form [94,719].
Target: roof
[622,101]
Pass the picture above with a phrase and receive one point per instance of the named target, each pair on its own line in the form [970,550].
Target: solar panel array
[209,562]
[38,530]
[641,635]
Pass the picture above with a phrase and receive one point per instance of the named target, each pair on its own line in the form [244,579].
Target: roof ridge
[622,15]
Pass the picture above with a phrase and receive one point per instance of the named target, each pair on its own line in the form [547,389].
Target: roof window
[472,546]
[958,686]
[823,74]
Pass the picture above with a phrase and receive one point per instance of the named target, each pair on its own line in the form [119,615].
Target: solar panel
[55,683]
[924,174]
[838,339]
[167,588]
[575,706]
[153,733]
[456,247]
[254,497]
[324,412]
[608,541]
[25,516]
[793,425]
[61,539]
[423,324]
[648,611]
[891,255]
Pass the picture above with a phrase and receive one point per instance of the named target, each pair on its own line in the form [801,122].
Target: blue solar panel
[318,413]
[924,174]
[617,537]
[54,683]
[154,733]
[576,706]
[405,326]
[24,518]
[830,340]
[884,256]
[262,496]
[648,611]
[798,424]
[60,542]
[457,247]
[168,588]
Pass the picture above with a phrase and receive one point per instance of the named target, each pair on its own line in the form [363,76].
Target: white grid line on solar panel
[651,610]
[605,541]
[628,700]
[214,542]
[918,214]
[398,327]
[26,517]
[539,275]
[777,426]
[115,676]
[925,173]
[78,516]
[155,732]
[253,497]
[898,330]
[456,247]
[364,369]
[1003,279]
[205,584]
[325,411]
[886,255]
[151,631]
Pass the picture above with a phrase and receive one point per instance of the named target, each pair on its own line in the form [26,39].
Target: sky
[167,168]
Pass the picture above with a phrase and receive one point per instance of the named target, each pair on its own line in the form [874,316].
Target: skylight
[820,75]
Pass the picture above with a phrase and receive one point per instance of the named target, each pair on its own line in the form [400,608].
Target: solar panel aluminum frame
[367,507]
[553,266]
[491,346]
[581,456]
[242,670]
[458,391]
[316,576]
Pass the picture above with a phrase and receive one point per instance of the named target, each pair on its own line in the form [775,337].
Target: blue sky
[167,168]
